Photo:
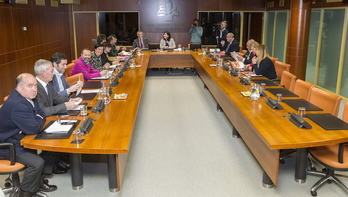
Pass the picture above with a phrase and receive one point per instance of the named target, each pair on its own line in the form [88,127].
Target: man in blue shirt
[196,32]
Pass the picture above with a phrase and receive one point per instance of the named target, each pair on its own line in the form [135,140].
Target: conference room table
[265,131]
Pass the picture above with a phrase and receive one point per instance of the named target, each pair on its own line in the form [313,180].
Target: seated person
[49,100]
[140,42]
[83,65]
[253,47]
[112,39]
[59,62]
[96,60]
[246,58]
[167,42]
[263,65]
[232,45]
[21,115]
[105,57]
[101,38]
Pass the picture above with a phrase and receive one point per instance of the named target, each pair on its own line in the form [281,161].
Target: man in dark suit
[140,42]
[221,34]
[21,115]
[59,62]
[50,101]
[248,56]
[232,45]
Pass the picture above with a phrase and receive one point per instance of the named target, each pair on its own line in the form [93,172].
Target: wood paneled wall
[315,4]
[48,31]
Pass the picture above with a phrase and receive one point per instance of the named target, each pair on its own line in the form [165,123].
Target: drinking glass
[279,97]
[262,87]
[83,110]
[302,111]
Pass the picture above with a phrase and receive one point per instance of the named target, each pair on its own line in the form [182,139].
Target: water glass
[279,97]
[302,111]
[106,97]
[83,110]
[262,87]
[100,94]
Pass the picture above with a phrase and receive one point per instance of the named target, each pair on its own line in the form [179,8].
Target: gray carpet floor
[183,147]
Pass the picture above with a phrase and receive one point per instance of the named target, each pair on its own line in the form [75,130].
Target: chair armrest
[341,151]
[12,151]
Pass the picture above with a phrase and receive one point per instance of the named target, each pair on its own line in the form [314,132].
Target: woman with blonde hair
[262,64]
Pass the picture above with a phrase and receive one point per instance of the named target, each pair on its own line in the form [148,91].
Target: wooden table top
[273,128]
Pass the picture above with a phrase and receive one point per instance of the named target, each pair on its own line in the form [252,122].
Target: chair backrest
[345,112]
[329,102]
[6,97]
[288,80]
[10,166]
[68,69]
[303,88]
[240,49]
[74,78]
[280,67]
[73,61]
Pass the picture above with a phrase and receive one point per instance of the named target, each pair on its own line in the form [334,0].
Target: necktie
[141,43]
[228,46]
[48,92]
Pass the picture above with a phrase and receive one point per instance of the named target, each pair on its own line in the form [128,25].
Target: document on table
[90,91]
[235,57]
[63,127]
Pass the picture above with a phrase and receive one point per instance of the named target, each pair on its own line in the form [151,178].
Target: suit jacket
[223,37]
[234,46]
[105,59]
[53,104]
[171,43]
[248,56]
[265,68]
[18,114]
[136,43]
[56,86]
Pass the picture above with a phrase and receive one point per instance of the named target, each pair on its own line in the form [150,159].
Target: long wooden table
[263,129]
[112,131]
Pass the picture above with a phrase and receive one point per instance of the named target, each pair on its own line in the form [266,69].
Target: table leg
[301,165]
[235,133]
[112,173]
[76,171]
[266,181]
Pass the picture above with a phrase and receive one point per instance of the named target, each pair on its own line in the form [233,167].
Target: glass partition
[312,45]
[123,24]
[269,29]
[280,36]
[330,48]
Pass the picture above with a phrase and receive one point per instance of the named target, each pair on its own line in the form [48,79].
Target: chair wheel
[324,170]
[313,169]
[281,161]
[329,181]
[314,193]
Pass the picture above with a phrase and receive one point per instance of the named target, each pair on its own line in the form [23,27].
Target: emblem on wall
[167,10]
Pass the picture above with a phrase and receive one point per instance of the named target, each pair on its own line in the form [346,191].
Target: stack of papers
[63,127]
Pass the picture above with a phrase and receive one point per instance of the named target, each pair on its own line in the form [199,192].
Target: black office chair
[333,158]
[12,168]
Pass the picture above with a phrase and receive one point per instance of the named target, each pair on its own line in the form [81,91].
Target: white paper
[60,128]
[78,107]
[235,56]
[90,91]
